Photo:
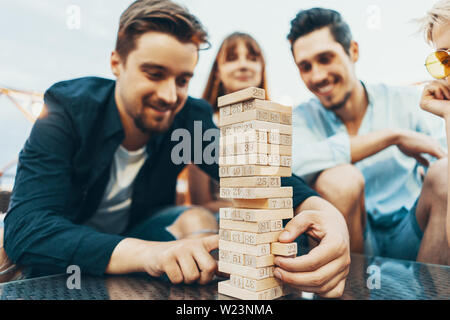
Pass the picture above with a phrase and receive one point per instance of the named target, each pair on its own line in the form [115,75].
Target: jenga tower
[255,152]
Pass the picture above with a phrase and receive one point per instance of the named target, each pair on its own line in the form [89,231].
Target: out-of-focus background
[46,41]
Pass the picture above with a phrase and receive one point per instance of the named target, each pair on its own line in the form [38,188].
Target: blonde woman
[436,95]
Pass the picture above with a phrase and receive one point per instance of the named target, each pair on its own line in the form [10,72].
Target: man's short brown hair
[439,14]
[161,16]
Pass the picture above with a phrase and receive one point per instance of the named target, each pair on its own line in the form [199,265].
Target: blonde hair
[439,14]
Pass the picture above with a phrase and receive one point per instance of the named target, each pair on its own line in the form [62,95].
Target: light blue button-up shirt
[392,179]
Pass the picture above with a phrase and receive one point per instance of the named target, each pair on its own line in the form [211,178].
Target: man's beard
[140,124]
[341,104]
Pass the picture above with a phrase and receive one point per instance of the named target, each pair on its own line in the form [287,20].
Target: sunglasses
[438,64]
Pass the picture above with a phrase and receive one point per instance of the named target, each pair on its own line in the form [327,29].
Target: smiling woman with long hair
[239,64]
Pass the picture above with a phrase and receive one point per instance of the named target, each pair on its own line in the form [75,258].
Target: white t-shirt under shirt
[113,213]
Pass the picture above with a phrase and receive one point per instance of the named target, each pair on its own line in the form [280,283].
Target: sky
[46,41]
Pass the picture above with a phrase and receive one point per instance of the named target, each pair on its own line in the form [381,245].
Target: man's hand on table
[184,261]
[325,268]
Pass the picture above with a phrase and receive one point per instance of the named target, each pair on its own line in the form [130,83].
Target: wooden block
[242,95]
[285,161]
[231,257]
[254,147]
[248,272]
[254,170]
[249,136]
[253,215]
[251,125]
[236,108]
[225,111]
[251,182]
[283,249]
[236,236]
[273,112]
[274,160]
[237,281]
[231,214]
[270,203]
[251,238]
[258,262]
[274,137]
[244,159]
[255,193]
[260,285]
[286,118]
[225,234]
[276,225]
[257,227]
[254,250]
[260,115]
[259,238]
[265,105]
[273,293]
[286,139]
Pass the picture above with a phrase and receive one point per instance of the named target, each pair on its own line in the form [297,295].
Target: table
[398,279]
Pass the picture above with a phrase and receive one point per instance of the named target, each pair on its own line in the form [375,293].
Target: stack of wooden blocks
[255,152]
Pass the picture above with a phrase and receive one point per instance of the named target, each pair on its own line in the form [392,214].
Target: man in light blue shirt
[364,147]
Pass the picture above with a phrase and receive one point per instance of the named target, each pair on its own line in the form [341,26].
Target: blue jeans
[155,227]
[401,241]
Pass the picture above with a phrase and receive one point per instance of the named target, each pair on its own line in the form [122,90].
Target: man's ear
[354,51]
[116,63]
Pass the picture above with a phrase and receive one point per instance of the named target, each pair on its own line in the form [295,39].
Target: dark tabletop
[372,278]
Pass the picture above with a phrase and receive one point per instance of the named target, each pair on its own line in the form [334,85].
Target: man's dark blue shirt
[64,168]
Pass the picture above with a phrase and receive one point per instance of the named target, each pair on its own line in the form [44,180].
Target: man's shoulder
[382,91]
[78,93]
[309,111]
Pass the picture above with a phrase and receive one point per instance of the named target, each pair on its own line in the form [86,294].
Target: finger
[188,268]
[211,242]
[329,289]
[337,291]
[422,160]
[446,91]
[438,94]
[327,251]
[432,149]
[438,152]
[173,271]
[206,264]
[316,278]
[294,228]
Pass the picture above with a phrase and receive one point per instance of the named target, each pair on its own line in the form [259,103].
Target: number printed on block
[285,161]
[258,262]
[244,271]
[236,236]
[237,258]
[224,255]
[236,281]
[285,139]
[276,225]
[225,234]
[284,249]
[225,111]
[280,203]
[274,137]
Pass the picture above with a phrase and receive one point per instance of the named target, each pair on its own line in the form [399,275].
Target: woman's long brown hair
[214,87]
